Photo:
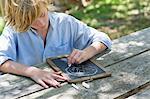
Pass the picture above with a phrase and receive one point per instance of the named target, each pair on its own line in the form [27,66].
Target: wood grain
[126,76]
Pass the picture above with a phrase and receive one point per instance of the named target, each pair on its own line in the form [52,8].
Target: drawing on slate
[81,70]
[78,70]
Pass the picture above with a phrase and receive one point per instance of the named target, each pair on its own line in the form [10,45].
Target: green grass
[115,17]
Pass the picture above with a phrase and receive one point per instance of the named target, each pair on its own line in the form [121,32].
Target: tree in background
[62,4]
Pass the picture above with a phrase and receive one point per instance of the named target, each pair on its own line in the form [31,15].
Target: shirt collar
[51,20]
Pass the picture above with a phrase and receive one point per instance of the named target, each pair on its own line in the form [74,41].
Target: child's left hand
[77,56]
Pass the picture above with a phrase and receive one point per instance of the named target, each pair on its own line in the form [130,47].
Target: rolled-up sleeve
[7,47]
[85,35]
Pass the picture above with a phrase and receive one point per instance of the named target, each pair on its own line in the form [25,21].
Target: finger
[42,83]
[59,77]
[76,55]
[80,59]
[65,76]
[57,84]
[71,56]
[57,73]
[75,58]
[52,82]
[61,74]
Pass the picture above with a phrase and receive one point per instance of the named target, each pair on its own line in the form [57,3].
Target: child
[33,33]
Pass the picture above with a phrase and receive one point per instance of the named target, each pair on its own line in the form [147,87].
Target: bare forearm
[16,68]
[95,48]
[43,78]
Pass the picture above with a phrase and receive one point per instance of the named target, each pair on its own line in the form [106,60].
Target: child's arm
[43,78]
[79,56]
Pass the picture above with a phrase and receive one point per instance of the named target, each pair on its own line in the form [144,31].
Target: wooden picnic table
[129,63]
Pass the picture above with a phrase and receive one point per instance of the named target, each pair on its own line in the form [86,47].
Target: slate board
[60,64]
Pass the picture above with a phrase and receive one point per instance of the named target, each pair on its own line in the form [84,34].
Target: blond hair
[21,13]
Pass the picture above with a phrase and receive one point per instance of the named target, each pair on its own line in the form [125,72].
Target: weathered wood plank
[134,91]
[144,94]
[126,76]
[126,47]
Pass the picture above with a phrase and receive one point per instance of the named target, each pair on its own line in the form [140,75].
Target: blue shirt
[65,34]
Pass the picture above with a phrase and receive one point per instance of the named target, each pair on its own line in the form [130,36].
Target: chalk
[85,85]
[75,86]
[69,65]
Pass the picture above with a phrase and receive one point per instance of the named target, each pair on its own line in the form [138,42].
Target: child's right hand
[47,79]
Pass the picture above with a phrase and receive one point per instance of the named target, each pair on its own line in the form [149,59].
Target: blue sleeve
[85,35]
[7,46]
